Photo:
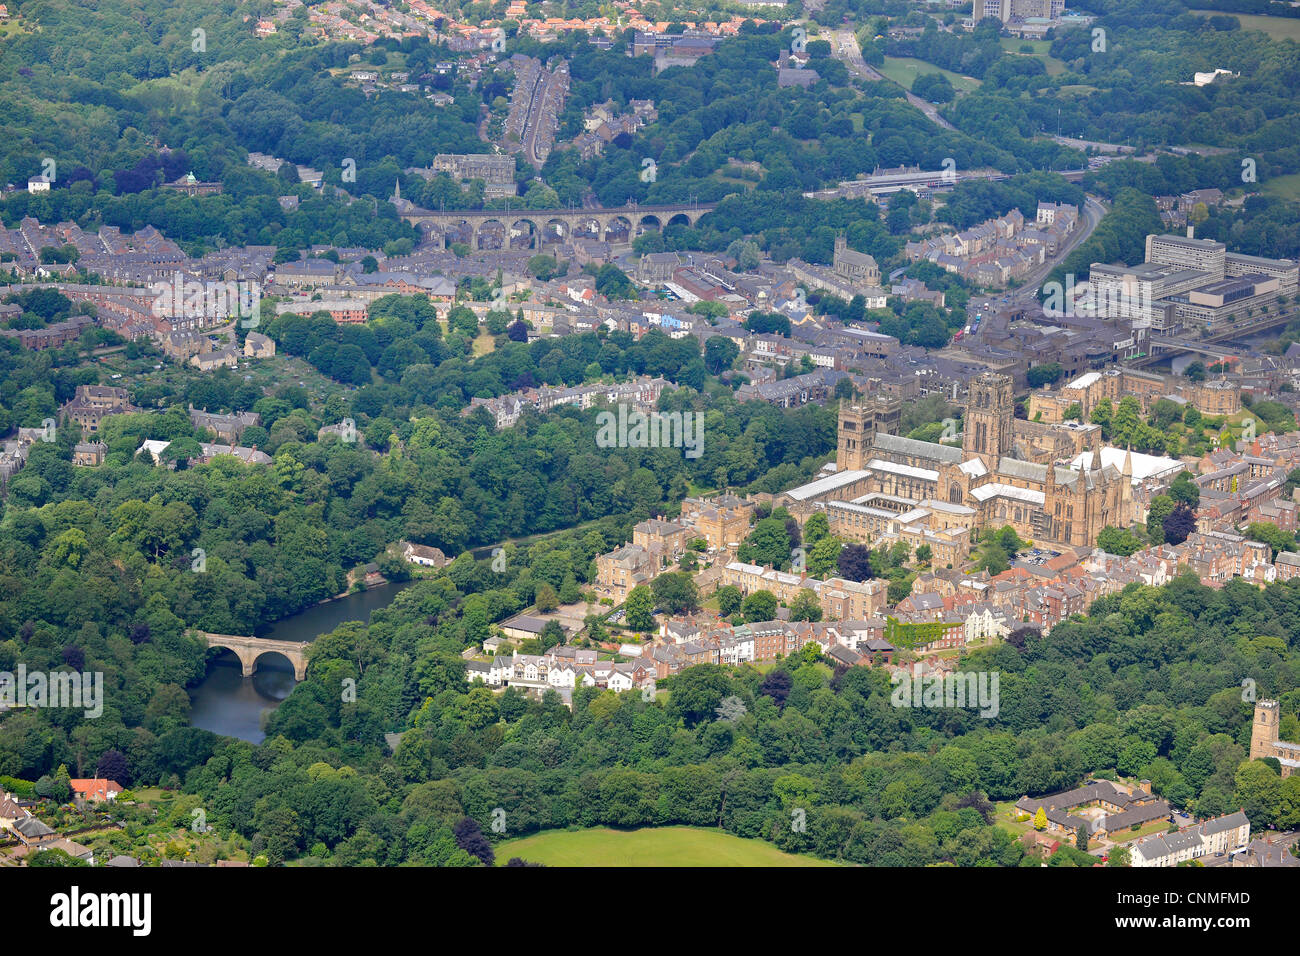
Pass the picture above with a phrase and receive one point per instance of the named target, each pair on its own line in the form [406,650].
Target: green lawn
[903,70]
[1287,187]
[1054,66]
[1127,836]
[1004,818]
[655,846]
[1279,28]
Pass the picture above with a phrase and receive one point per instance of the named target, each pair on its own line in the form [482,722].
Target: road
[543,113]
[1027,294]
[1093,210]
[847,50]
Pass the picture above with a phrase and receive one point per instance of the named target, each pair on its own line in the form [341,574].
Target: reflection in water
[322,618]
[227,703]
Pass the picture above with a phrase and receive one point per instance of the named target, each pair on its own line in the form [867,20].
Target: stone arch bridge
[548,225]
[250,649]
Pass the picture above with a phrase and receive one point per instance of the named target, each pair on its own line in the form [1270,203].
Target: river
[228,703]
[236,706]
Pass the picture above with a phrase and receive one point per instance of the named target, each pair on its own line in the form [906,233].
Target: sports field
[1279,28]
[652,846]
[904,70]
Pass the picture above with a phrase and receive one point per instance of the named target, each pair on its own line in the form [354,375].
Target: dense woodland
[1148,685]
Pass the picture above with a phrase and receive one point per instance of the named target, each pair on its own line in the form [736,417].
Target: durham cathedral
[1052,483]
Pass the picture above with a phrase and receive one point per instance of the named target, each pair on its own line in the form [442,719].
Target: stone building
[853,266]
[858,427]
[1215,397]
[994,472]
[92,403]
[1265,738]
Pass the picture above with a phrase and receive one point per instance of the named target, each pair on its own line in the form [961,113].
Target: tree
[719,354]
[993,558]
[1258,791]
[746,253]
[470,838]
[759,606]
[1010,541]
[1179,523]
[1101,415]
[823,555]
[777,685]
[768,544]
[805,606]
[639,609]
[1118,856]
[697,693]
[1040,819]
[1185,489]
[816,528]
[552,635]
[613,283]
[934,87]
[1119,541]
[1161,507]
[547,599]
[1271,535]
[1041,375]
[462,319]
[1073,413]
[113,766]
[854,562]
[675,592]
[1081,839]
[729,599]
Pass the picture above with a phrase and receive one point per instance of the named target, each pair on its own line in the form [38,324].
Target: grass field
[1279,28]
[903,70]
[1004,818]
[1128,836]
[1286,187]
[655,846]
[1055,67]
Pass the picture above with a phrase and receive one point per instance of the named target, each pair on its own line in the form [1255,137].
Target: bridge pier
[571,219]
[250,650]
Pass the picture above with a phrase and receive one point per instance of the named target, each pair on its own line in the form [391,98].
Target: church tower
[986,430]
[858,426]
[1264,732]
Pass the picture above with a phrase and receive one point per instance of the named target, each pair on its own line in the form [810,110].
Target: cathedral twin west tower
[1052,483]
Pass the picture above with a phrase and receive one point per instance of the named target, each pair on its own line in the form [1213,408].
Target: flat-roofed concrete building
[1205,255]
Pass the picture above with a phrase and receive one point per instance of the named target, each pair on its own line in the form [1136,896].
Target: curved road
[847,49]
[1093,210]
